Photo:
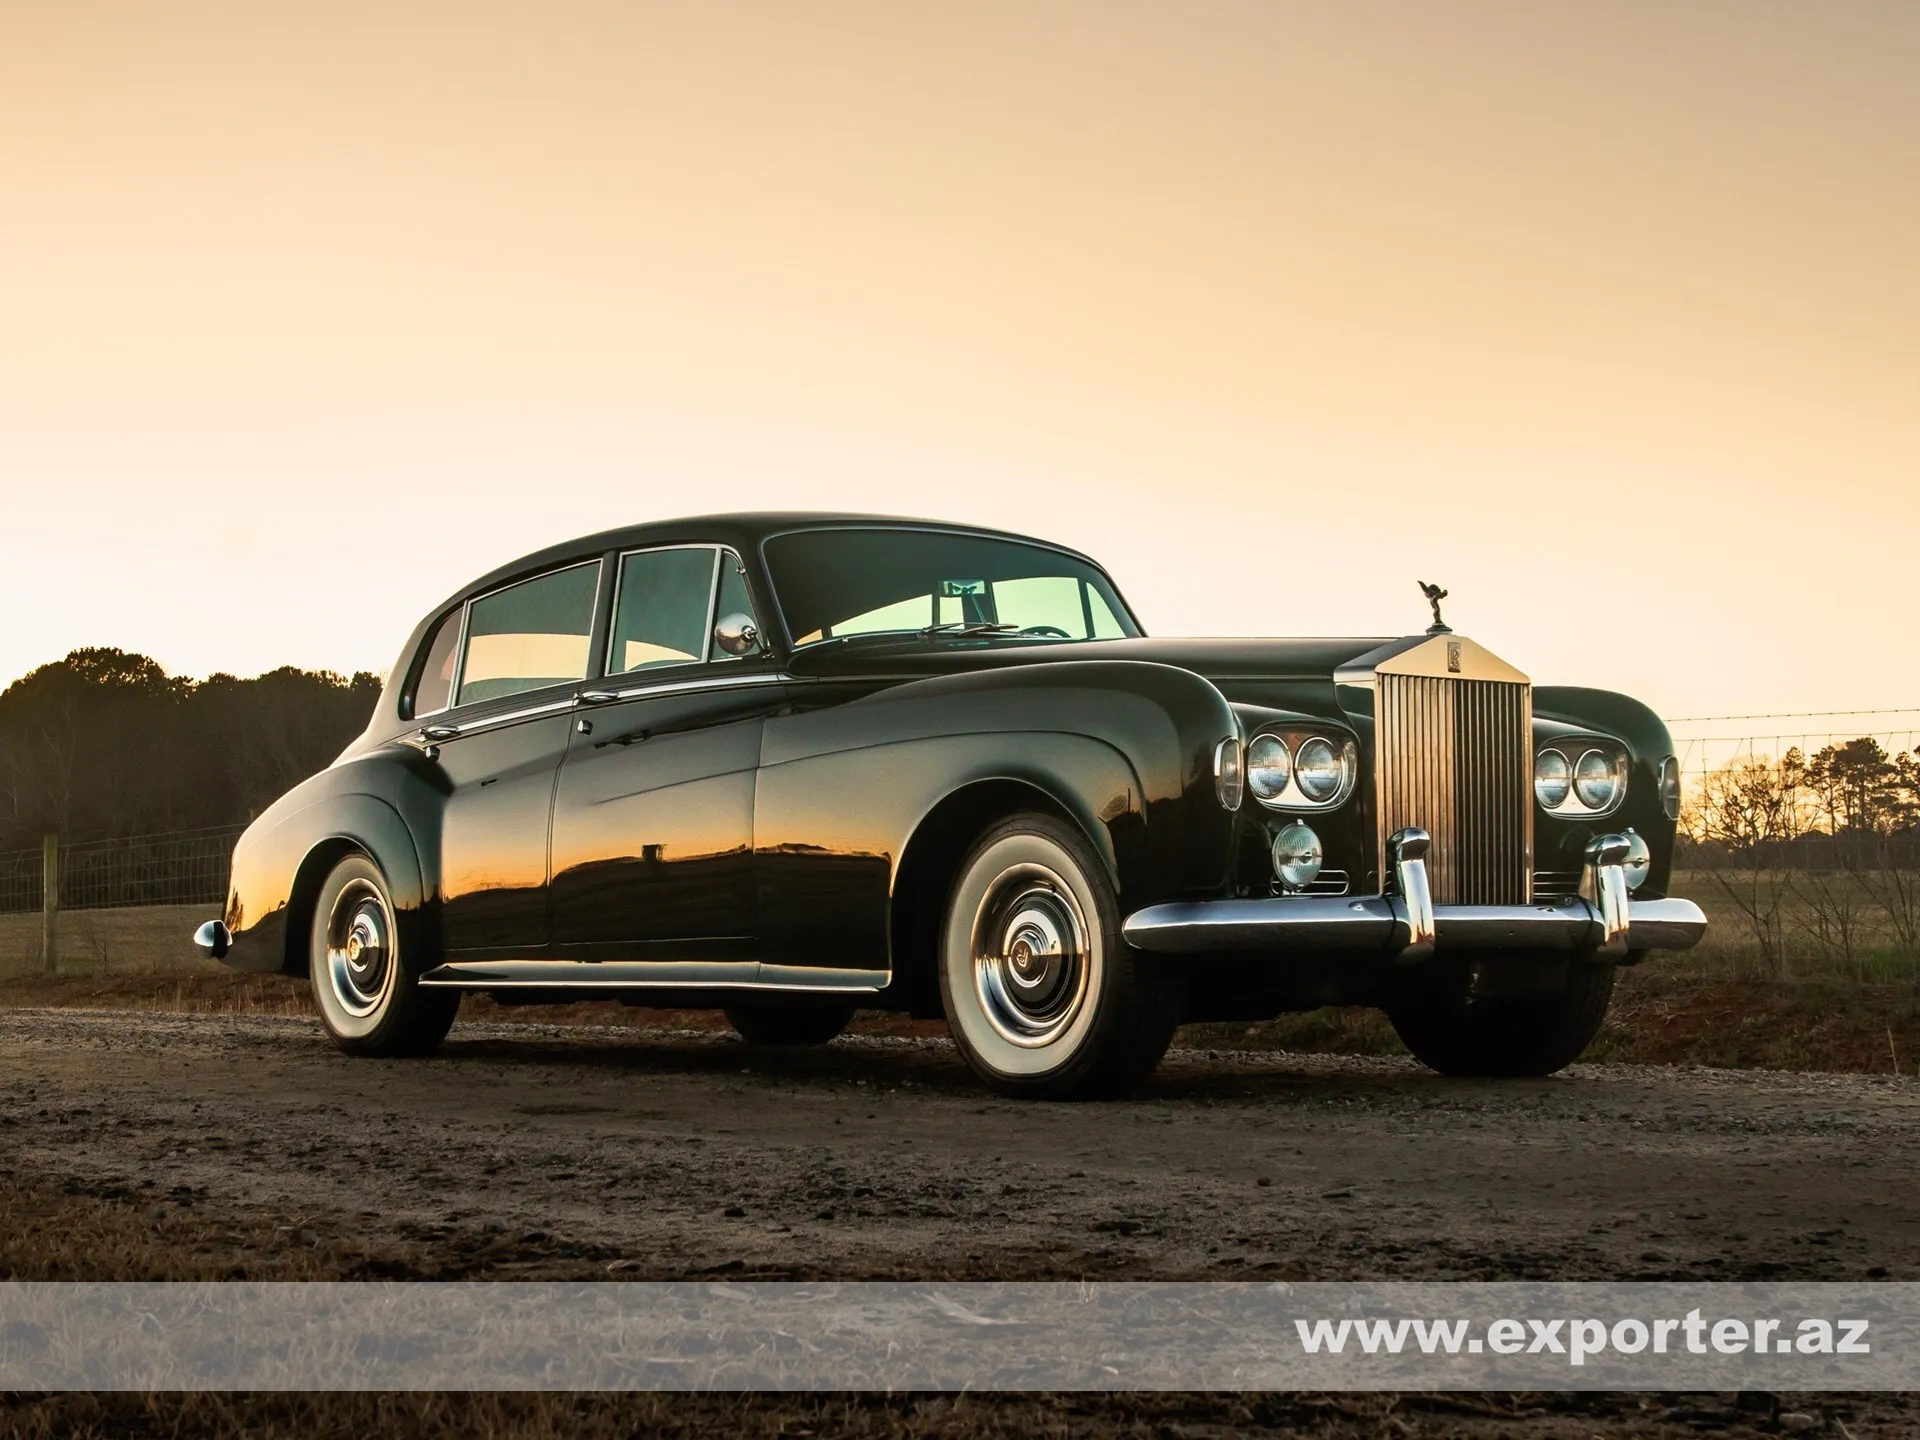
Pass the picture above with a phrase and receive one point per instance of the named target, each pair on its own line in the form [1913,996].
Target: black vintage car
[790,765]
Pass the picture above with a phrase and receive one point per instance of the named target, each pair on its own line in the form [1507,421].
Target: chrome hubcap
[1030,956]
[360,956]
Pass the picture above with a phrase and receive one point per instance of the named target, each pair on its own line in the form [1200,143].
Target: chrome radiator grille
[1456,759]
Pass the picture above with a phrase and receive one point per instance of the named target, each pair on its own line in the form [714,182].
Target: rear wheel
[1043,995]
[369,1001]
[1458,1034]
[788,1024]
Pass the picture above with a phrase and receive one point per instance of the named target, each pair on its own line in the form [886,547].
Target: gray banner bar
[937,1337]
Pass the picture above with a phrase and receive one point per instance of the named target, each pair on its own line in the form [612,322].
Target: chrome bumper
[1406,925]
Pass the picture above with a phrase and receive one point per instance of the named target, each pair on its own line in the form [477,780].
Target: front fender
[1164,721]
[1558,843]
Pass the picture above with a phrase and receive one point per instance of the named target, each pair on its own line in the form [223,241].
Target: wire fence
[1706,743]
[181,867]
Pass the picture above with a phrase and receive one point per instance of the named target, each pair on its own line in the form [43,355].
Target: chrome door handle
[439,732]
[596,697]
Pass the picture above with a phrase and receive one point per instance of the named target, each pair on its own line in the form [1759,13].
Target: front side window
[833,583]
[529,635]
[660,609]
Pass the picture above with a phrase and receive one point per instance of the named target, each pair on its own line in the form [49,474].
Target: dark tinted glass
[660,609]
[433,690]
[529,635]
[844,582]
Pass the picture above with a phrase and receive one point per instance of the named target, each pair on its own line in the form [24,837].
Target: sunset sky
[1606,316]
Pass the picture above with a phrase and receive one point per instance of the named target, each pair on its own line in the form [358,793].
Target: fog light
[1296,857]
[1638,862]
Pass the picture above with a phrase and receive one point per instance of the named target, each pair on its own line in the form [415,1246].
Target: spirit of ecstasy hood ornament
[1434,596]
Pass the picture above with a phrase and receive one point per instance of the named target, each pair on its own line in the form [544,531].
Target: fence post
[50,903]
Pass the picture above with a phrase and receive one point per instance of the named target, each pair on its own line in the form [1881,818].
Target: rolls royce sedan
[787,766]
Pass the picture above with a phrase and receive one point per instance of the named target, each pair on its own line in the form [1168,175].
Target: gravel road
[527,1150]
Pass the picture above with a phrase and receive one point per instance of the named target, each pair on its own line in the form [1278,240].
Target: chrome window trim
[607,672]
[466,621]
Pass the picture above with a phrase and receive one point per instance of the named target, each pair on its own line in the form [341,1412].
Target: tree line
[105,744]
[1817,854]
[1852,791]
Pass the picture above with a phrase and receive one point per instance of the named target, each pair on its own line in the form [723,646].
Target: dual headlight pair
[1590,786]
[1302,771]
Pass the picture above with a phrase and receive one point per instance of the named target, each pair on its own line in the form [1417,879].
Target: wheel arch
[364,825]
[931,860]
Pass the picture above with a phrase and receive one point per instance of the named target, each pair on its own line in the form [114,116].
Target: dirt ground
[149,1145]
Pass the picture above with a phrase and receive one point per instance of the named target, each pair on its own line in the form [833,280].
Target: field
[1723,1004]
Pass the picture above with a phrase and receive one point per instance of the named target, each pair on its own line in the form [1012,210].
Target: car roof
[742,531]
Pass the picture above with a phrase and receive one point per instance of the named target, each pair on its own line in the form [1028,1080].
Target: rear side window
[433,690]
[660,609]
[529,635]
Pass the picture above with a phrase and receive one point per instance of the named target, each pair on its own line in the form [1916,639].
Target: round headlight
[1552,778]
[1319,770]
[1638,862]
[1593,780]
[1296,856]
[1269,767]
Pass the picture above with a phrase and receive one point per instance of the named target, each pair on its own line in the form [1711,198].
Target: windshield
[837,583]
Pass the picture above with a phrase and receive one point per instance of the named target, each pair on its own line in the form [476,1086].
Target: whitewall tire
[1043,996]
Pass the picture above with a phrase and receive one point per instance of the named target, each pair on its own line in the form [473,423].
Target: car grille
[1327,882]
[1555,884]
[1455,759]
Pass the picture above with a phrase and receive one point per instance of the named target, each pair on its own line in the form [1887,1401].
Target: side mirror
[736,634]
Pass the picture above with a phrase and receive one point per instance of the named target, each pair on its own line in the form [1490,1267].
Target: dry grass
[1717,1005]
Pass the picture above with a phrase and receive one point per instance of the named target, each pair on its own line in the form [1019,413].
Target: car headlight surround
[1552,778]
[1269,767]
[1594,781]
[1318,770]
[1588,786]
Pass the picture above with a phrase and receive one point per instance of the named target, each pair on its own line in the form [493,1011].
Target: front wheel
[1458,1034]
[1043,995]
[369,1001]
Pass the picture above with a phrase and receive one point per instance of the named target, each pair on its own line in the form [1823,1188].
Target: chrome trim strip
[717,682]
[488,722]
[650,974]
[1380,925]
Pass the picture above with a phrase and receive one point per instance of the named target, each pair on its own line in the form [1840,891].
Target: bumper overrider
[1404,924]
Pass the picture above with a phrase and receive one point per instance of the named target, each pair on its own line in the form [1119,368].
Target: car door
[521,658]
[653,812]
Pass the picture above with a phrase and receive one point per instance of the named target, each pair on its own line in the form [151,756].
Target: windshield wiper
[967,627]
[953,629]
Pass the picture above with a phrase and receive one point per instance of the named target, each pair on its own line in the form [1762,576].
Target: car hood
[1219,660]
